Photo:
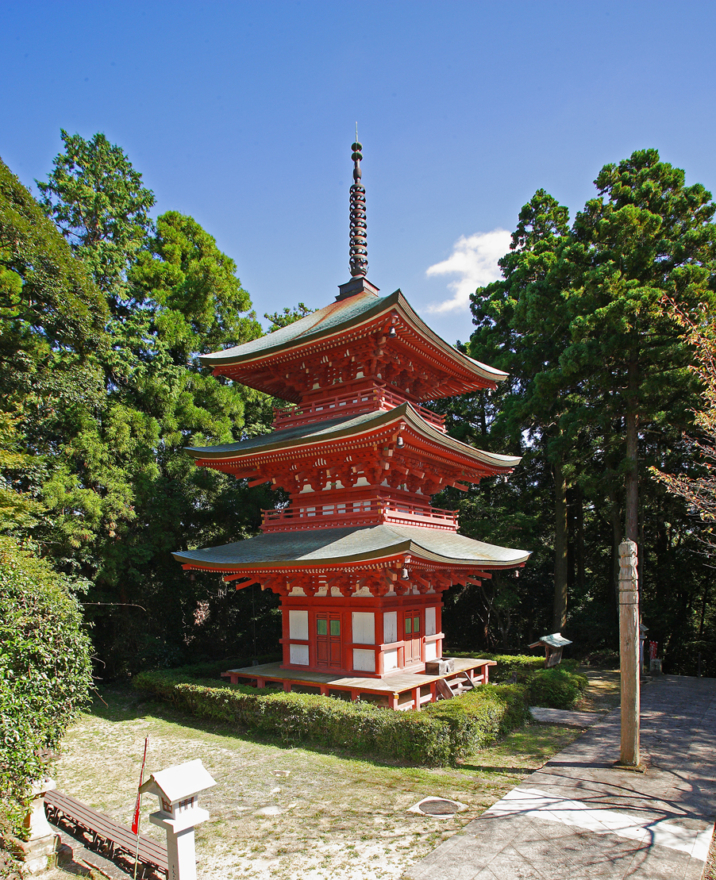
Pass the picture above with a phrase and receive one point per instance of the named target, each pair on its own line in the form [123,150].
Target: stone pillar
[629,653]
[181,852]
[177,789]
[38,851]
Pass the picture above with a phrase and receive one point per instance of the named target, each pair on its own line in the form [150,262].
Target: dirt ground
[602,694]
[282,812]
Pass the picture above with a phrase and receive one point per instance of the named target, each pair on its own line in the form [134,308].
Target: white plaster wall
[298,625]
[299,654]
[363,660]
[390,627]
[390,660]
[364,628]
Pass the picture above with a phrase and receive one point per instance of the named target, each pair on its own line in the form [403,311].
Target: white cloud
[474,260]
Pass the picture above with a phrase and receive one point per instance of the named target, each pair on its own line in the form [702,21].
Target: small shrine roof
[336,318]
[279,550]
[180,781]
[555,640]
[334,429]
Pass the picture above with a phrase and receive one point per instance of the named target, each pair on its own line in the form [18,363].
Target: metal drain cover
[439,807]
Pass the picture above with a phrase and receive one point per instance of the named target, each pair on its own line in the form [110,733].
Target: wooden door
[328,640]
[412,635]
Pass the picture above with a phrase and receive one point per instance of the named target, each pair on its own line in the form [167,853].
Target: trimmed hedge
[441,734]
[557,688]
[213,668]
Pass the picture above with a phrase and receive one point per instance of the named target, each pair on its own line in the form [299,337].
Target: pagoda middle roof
[346,546]
[334,320]
[317,433]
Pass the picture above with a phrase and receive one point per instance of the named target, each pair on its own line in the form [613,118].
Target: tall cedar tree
[520,330]
[124,494]
[97,200]
[598,366]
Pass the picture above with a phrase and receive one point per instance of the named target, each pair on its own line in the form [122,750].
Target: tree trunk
[616,520]
[632,454]
[561,567]
[579,539]
[571,540]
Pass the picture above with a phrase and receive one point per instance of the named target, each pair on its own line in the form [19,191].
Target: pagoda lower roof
[350,546]
[317,434]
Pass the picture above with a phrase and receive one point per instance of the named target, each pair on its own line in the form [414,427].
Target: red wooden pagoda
[359,557]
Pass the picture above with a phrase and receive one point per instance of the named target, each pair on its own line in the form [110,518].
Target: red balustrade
[357,513]
[353,403]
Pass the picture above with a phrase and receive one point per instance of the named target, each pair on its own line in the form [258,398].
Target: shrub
[45,673]
[213,668]
[556,688]
[440,734]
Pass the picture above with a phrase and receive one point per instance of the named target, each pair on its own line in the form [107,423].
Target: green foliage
[600,390]
[97,199]
[556,688]
[287,316]
[192,286]
[212,669]
[44,669]
[110,468]
[509,666]
[17,510]
[41,284]
[441,734]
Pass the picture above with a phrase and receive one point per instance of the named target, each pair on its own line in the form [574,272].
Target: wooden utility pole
[629,652]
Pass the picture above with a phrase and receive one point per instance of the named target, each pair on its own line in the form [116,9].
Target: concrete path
[564,718]
[578,818]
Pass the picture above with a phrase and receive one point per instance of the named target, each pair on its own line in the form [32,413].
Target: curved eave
[352,428]
[286,339]
[351,547]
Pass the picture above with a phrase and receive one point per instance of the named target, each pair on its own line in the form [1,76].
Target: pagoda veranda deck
[359,556]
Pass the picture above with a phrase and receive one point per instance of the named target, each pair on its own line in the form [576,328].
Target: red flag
[135,823]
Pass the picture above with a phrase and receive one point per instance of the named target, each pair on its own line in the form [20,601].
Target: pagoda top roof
[335,429]
[346,546]
[334,320]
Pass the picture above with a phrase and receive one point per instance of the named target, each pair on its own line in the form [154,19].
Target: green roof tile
[339,316]
[327,546]
[336,428]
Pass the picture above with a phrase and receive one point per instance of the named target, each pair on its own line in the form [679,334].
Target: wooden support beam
[629,654]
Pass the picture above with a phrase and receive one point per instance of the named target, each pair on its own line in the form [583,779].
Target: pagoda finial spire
[359,227]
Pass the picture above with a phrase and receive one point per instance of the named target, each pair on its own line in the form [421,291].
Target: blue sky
[241,114]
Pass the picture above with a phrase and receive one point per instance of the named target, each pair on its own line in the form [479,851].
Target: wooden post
[629,653]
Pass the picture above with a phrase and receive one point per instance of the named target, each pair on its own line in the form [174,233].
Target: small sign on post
[629,757]
[553,645]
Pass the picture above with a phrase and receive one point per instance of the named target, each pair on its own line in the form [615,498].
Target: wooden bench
[106,836]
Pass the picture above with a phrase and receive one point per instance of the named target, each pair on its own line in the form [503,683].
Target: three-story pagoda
[360,557]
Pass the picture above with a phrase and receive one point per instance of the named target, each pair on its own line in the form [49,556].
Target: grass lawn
[282,812]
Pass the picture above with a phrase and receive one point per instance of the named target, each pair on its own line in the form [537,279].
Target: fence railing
[358,513]
[352,403]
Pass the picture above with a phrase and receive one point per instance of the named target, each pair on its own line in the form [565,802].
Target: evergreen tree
[97,200]
[123,495]
[600,376]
